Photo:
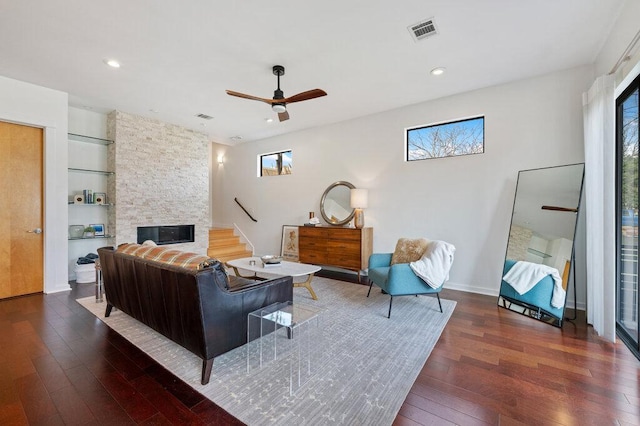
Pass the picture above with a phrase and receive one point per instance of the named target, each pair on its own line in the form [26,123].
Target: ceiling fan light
[279,108]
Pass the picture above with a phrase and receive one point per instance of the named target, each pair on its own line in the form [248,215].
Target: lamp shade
[359,198]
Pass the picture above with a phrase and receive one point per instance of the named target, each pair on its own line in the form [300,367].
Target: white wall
[623,31]
[465,200]
[25,103]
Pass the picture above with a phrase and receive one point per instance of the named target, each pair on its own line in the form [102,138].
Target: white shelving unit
[87,170]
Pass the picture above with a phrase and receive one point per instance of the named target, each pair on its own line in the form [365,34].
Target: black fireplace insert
[166,234]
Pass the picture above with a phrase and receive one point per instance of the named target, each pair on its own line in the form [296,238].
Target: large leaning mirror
[540,247]
[335,205]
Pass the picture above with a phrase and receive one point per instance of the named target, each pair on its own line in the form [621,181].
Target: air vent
[423,29]
[204,116]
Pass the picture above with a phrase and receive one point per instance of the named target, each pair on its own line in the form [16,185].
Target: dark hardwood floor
[61,365]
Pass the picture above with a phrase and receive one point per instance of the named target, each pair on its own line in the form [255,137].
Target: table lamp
[359,201]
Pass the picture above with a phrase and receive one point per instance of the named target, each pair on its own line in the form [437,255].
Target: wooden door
[21,218]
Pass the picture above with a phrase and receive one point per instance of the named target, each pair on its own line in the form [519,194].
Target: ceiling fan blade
[250,97]
[305,96]
[283,116]
[560,209]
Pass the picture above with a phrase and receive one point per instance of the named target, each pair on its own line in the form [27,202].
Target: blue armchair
[397,279]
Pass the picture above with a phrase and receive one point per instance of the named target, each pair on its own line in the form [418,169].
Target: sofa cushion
[409,250]
[168,256]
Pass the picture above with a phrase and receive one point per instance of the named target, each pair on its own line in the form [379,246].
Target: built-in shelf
[98,172]
[89,139]
[91,238]
[71,203]
[538,253]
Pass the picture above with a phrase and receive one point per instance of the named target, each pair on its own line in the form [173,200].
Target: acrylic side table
[300,346]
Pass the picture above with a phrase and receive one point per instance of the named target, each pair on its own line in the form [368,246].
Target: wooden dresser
[347,248]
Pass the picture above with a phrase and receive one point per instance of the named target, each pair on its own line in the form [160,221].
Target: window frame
[282,165]
[407,130]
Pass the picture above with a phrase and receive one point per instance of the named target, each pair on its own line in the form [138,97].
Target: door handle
[36,231]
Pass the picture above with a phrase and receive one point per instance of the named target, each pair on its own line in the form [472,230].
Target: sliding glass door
[628,177]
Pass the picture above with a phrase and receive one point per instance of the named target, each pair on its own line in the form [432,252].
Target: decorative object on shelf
[289,249]
[76,231]
[98,229]
[313,220]
[359,201]
[88,196]
[78,199]
[270,260]
[100,198]
[89,232]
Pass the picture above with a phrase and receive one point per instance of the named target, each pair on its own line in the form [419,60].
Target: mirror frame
[324,197]
[527,309]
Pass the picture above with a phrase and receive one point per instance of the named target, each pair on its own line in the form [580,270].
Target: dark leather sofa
[205,311]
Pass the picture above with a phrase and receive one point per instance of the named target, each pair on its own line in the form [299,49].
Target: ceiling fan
[279,102]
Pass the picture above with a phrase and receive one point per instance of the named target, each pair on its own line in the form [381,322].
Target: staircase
[224,245]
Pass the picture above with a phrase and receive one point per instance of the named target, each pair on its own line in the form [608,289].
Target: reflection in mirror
[335,205]
[541,241]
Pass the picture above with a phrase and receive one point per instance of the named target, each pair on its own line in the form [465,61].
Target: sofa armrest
[245,284]
[380,260]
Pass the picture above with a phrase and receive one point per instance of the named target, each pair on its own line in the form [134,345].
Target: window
[628,187]
[277,163]
[461,137]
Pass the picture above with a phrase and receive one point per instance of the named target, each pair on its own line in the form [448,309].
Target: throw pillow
[409,250]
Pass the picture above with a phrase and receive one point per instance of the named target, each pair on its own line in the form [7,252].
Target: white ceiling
[178,57]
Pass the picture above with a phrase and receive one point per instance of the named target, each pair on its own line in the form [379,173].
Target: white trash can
[85,273]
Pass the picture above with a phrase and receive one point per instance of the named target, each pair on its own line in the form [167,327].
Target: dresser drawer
[308,243]
[312,232]
[313,257]
[344,245]
[345,234]
[344,262]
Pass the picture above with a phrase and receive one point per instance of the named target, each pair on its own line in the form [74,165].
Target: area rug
[368,362]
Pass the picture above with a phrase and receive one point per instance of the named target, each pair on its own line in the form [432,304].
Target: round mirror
[335,205]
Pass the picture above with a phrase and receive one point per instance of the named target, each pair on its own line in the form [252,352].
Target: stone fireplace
[161,178]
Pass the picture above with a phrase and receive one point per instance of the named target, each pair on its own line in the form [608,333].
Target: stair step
[224,245]
[221,232]
[229,256]
[224,242]
[221,251]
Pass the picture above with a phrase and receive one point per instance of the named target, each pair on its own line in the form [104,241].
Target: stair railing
[244,238]
[245,210]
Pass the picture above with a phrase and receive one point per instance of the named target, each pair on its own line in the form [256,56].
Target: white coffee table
[283,268]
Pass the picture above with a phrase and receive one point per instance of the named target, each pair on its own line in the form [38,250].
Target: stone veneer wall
[519,240]
[162,178]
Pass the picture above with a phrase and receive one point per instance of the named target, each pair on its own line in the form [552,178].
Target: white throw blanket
[435,263]
[523,276]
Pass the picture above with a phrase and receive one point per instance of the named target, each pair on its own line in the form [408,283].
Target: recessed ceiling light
[269,120]
[112,63]
[438,71]
[153,110]
[236,138]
